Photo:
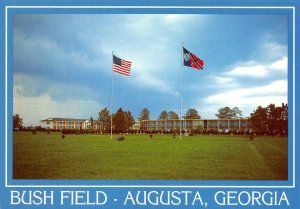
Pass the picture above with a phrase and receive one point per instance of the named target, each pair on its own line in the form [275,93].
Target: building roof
[64,119]
[216,119]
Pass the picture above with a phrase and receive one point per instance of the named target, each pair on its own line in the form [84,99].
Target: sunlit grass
[217,157]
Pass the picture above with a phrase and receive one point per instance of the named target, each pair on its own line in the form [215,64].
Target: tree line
[122,121]
[270,120]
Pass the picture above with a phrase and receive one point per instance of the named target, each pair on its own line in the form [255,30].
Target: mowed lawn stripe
[274,151]
[261,166]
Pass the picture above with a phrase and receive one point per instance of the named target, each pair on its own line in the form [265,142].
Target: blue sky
[62,63]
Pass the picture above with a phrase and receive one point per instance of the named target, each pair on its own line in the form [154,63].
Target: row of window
[69,123]
[216,124]
[66,127]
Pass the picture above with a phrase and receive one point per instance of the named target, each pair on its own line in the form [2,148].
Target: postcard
[149,105]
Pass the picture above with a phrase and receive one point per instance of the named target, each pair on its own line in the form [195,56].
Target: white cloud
[33,99]
[275,92]
[154,22]
[34,109]
[215,83]
[34,85]
[280,65]
[37,52]
[252,69]
[246,99]
[246,105]
[183,18]
[149,70]
[223,80]
[271,50]
[155,83]
[208,112]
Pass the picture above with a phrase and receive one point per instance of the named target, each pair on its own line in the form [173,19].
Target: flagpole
[181,83]
[112,92]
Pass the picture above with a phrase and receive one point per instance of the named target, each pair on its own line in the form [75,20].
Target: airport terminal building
[153,125]
[196,124]
[62,123]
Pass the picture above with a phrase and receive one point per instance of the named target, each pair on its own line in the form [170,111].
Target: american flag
[121,66]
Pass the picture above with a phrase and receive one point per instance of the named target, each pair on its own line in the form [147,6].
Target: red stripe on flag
[124,68]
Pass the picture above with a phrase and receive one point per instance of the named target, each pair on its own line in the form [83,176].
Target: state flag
[191,60]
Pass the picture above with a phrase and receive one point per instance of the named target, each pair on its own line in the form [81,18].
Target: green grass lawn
[217,157]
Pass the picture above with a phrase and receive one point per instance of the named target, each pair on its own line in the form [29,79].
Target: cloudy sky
[62,63]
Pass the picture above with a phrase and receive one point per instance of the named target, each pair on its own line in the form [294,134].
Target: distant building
[72,123]
[196,124]
[95,125]
[62,123]
[152,125]
[136,125]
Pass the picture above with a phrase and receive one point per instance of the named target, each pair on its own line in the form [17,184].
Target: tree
[104,118]
[270,119]
[277,118]
[259,118]
[119,120]
[144,115]
[163,115]
[228,113]
[284,118]
[92,123]
[122,120]
[173,115]
[17,121]
[192,114]
[129,120]
[237,112]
